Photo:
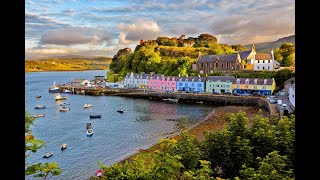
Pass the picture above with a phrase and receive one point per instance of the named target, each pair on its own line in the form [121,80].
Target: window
[218,85]
[172,83]
[227,86]
[247,81]
[192,84]
[227,81]
[218,80]
[180,84]
[258,67]
[254,87]
[199,85]
[238,86]
[246,86]
[264,87]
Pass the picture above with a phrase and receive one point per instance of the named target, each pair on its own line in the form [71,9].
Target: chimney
[272,54]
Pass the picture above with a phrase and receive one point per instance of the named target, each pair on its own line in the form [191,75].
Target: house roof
[244,54]
[221,78]
[155,76]
[171,77]
[195,78]
[224,57]
[260,81]
[263,56]
[144,76]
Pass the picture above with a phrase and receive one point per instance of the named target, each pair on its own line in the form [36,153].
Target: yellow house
[251,85]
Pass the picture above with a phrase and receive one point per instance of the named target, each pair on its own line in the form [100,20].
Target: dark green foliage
[286,54]
[239,47]
[264,150]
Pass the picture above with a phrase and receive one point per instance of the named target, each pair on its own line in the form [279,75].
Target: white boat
[63,146]
[47,155]
[66,91]
[172,100]
[40,107]
[38,115]
[87,105]
[59,97]
[54,88]
[64,108]
[89,129]
[64,104]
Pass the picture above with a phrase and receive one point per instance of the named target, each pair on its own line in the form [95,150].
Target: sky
[102,27]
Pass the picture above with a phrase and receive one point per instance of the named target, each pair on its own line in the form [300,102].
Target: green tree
[273,166]
[31,146]
[287,51]
[289,60]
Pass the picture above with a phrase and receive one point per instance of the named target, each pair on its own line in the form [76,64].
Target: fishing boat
[64,108]
[40,107]
[64,104]
[89,129]
[95,116]
[54,88]
[47,155]
[59,97]
[120,111]
[87,105]
[38,115]
[63,146]
[38,96]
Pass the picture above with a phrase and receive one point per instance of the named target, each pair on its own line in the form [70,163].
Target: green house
[219,84]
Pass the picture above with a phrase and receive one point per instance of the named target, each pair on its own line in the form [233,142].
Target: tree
[289,60]
[273,166]
[31,146]
[287,51]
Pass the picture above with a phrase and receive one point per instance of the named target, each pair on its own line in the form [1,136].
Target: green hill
[67,63]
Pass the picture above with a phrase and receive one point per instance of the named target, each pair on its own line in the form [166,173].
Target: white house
[136,80]
[264,61]
[292,95]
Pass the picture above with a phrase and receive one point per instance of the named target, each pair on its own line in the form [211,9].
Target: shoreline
[64,70]
[214,121]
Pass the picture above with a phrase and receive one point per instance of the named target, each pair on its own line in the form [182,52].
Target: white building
[136,80]
[264,61]
[292,95]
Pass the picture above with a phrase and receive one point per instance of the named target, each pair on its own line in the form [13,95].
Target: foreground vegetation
[73,64]
[40,170]
[262,150]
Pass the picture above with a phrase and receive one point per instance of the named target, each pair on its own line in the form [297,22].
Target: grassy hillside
[67,64]
[268,46]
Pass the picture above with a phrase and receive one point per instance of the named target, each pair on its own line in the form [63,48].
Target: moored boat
[87,105]
[64,104]
[99,173]
[38,96]
[64,108]
[95,116]
[54,88]
[172,100]
[38,115]
[66,91]
[59,97]
[120,111]
[63,146]
[89,132]
[40,107]
[47,155]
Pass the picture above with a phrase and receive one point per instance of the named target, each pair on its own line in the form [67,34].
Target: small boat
[54,88]
[66,91]
[89,129]
[99,173]
[120,111]
[38,96]
[172,100]
[40,107]
[89,132]
[64,104]
[64,108]
[87,105]
[47,155]
[63,146]
[59,97]
[38,115]
[166,99]
[95,116]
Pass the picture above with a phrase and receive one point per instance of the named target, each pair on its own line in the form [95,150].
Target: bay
[116,136]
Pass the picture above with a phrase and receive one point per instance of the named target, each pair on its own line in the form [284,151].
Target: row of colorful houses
[196,84]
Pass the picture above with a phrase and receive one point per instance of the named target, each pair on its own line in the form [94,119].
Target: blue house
[191,84]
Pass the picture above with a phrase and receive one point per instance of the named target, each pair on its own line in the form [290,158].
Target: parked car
[227,93]
[273,101]
[284,106]
[236,94]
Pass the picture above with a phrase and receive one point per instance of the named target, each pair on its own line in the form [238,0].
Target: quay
[182,97]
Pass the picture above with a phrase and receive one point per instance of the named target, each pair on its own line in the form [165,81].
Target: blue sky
[102,27]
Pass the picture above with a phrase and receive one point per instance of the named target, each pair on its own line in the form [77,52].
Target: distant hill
[268,46]
[68,63]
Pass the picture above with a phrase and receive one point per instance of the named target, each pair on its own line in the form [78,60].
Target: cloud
[76,35]
[139,29]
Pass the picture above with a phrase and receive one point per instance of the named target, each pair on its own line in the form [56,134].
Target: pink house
[163,83]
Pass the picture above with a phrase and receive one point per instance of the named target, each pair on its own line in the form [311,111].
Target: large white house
[264,61]
[136,80]
[292,94]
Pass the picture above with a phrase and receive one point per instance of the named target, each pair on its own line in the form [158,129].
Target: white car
[284,106]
